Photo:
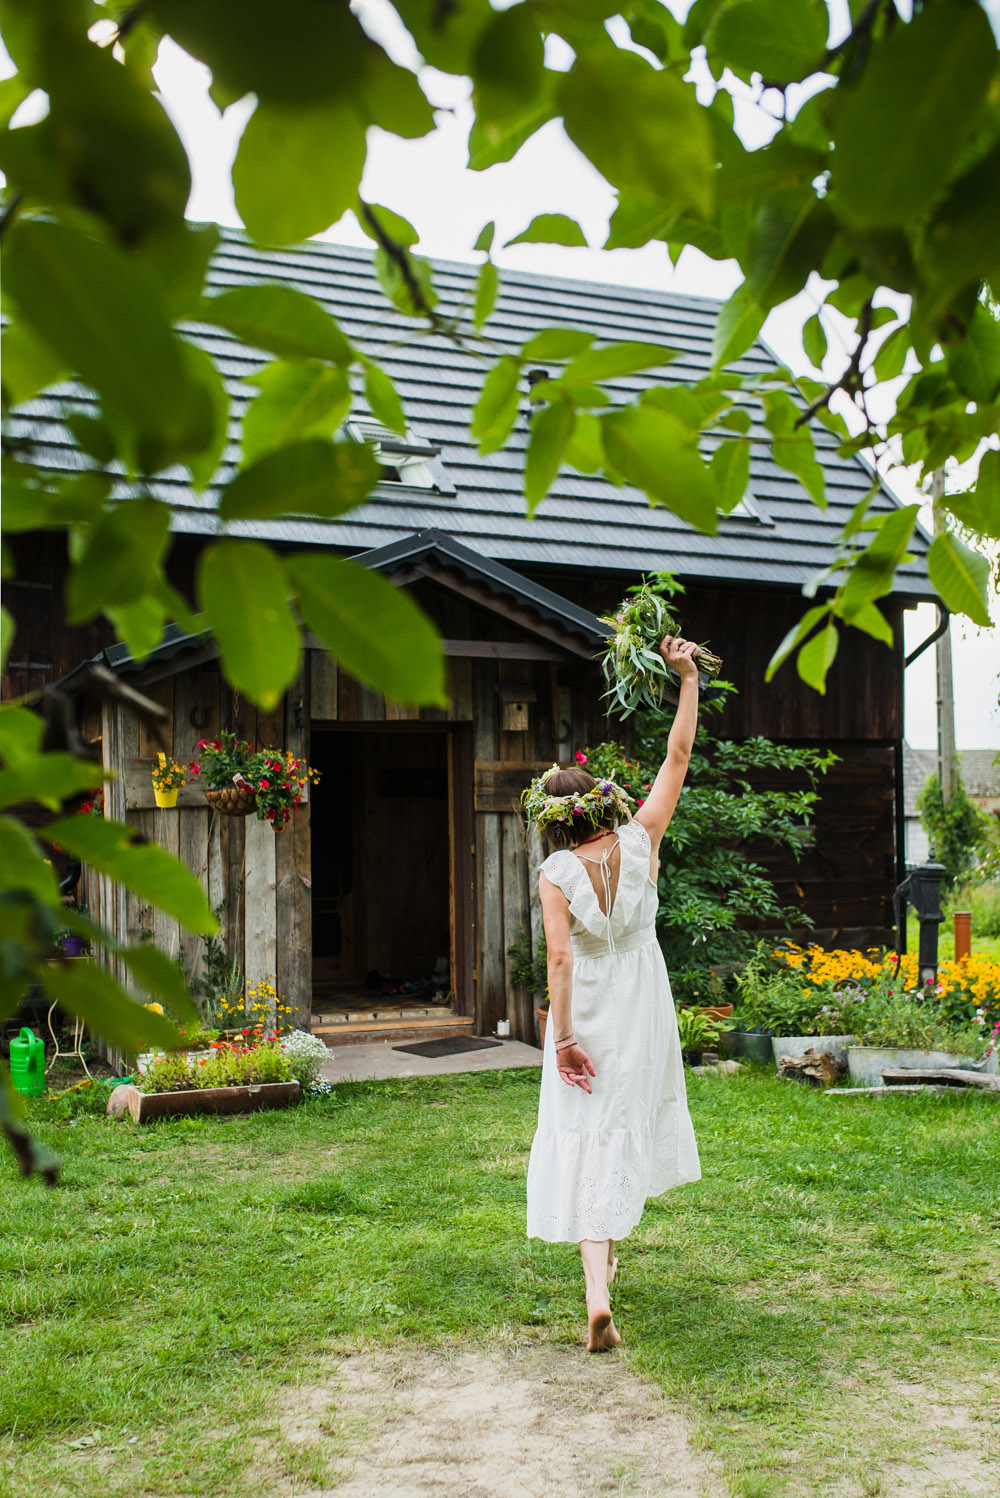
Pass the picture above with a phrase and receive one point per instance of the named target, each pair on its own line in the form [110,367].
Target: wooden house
[410,859]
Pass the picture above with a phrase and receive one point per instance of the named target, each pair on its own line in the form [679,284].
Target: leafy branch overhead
[881,184]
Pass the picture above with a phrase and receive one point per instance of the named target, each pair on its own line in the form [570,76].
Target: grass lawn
[823,1304]
[982,946]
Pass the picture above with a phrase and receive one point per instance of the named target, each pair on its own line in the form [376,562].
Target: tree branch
[850,379]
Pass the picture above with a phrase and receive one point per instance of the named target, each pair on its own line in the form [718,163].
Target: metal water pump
[922,889]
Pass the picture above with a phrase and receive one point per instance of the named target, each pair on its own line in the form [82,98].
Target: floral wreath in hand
[586,807]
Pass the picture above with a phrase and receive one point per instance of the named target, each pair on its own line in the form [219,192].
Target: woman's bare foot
[601,1333]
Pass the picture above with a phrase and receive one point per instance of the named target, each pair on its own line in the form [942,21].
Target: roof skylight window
[403,458]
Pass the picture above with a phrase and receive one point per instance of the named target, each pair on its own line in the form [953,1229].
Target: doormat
[452,1045]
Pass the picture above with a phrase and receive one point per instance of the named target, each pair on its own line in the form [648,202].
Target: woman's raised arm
[658,807]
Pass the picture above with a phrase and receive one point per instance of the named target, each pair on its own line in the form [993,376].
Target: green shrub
[960,832]
[223,1066]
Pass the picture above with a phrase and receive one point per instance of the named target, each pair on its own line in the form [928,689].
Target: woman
[613,1124]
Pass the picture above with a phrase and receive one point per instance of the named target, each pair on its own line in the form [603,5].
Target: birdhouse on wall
[515,703]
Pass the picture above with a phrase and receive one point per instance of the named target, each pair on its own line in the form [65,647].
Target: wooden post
[947,763]
[963,934]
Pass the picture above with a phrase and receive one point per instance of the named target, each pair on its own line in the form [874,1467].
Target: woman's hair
[566,834]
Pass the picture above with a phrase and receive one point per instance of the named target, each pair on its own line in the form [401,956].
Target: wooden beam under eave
[521,617]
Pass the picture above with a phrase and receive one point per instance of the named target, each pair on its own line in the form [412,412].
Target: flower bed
[810,991]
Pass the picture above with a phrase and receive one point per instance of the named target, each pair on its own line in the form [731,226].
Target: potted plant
[168,777]
[239,779]
[698,1033]
[229,1077]
[901,1028]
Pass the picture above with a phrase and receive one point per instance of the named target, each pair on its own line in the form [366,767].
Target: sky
[428,182]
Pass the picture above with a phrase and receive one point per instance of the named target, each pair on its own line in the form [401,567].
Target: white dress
[597,1156]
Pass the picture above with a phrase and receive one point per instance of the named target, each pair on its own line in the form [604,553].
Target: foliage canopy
[882,181]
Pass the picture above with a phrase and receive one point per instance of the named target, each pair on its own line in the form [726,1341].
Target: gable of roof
[531,607]
[586,523]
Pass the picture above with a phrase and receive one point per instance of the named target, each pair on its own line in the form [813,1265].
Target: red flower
[244,1032]
[202,743]
[642,802]
[264,785]
[580,757]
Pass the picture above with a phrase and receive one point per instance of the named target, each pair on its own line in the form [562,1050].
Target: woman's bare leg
[612,1261]
[601,1329]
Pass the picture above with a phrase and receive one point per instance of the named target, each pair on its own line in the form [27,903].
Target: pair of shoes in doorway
[419,987]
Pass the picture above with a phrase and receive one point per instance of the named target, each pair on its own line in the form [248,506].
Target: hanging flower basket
[239,779]
[230,800]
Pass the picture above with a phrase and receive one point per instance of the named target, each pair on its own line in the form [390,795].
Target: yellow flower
[154,1008]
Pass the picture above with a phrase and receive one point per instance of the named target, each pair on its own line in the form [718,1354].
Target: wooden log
[883,1091]
[146,1105]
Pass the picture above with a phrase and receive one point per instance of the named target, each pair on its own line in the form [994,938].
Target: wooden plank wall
[241,862]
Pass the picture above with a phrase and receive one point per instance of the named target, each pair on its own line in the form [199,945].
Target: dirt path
[466,1423]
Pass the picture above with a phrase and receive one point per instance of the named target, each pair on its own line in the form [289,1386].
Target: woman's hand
[575,1067]
[680,655]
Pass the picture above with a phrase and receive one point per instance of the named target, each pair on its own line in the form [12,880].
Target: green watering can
[27,1063]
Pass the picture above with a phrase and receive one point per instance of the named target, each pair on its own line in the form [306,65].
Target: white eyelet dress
[597,1157]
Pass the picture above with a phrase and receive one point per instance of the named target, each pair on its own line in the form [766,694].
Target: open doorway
[381,873]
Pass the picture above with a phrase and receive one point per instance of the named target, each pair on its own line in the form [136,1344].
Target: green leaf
[309,478]
[140,624]
[814,340]
[28,365]
[962,243]
[296,401]
[7,632]
[890,360]
[871,619]
[496,410]
[736,419]
[86,989]
[642,127]
[22,865]
[552,345]
[730,467]
[550,228]
[372,628]
[243,591]
[279,319]
[874,571]
[120,557]
[507,65]
[487,290]
[180,261]
[445,37]
[974,363]
[795,635]
[101,313]
[736,327]
[159,975]
[637,220]
[980,510]
[657,453]
[919,97]
[149,871]
[960,577]
[817,656]
[790,237]
[781,39]
[484,239]
[551,429]
[495,141]
[298,169]
[390,97]
[203,369]
[792,446]
[50,779]
[617,359]
[383,399]
[585,451]
[410,290]
[390,224]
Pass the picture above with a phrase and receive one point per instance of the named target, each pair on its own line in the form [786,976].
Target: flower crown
[587,807]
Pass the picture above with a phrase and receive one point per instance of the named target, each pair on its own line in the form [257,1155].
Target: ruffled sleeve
[564,869]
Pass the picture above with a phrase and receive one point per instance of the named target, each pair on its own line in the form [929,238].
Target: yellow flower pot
[164,798]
